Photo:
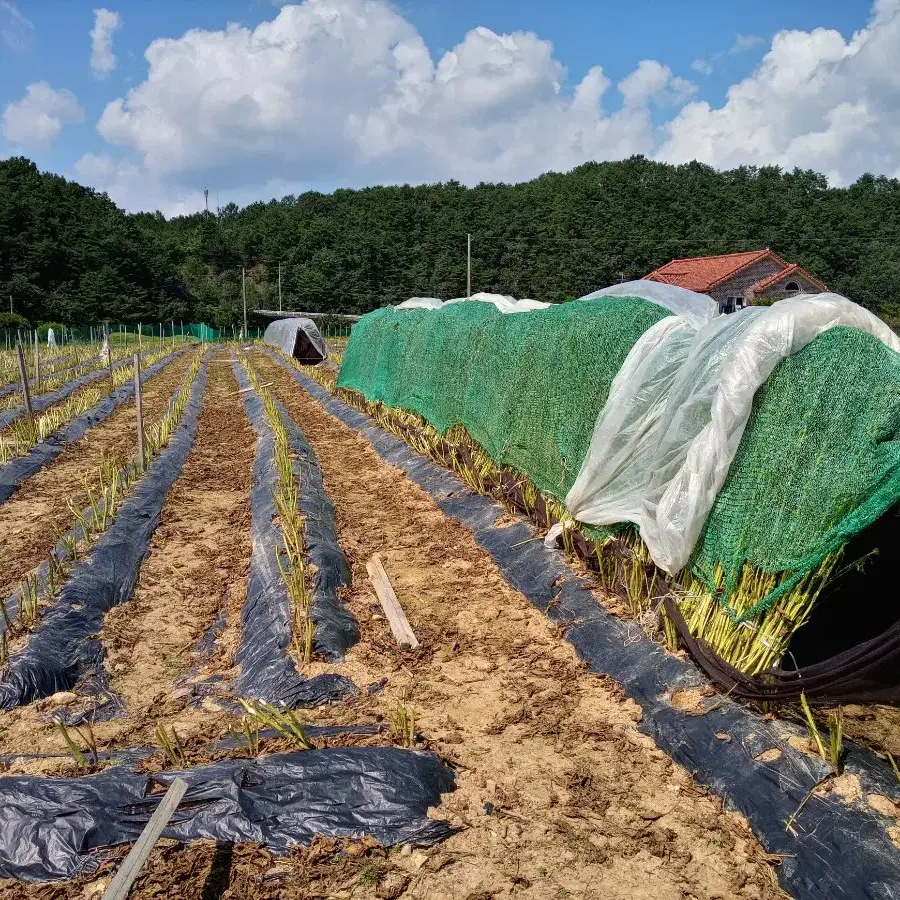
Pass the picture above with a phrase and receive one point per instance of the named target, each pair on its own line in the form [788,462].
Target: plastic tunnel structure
[299,338]
[754,458]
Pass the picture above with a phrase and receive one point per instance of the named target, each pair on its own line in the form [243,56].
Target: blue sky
[320,96]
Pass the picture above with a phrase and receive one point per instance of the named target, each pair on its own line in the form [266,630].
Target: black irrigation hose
[18,470]
[63,648]
[53,828]
[42,401]
[267,670]
[837,849]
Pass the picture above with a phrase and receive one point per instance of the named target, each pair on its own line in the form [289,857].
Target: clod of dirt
[847,787]
[690,701]
[883,805]
[392,885]
[769,755]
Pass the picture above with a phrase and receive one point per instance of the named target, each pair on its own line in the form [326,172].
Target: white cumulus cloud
[816,100]
[742,43]
[37,119]
[106,24]
[346,91]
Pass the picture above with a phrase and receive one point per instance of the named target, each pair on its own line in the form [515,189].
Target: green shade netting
[818,462]
[527,386]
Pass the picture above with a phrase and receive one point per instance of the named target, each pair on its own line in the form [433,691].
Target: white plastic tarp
[298,337]
[677,410]
[421,303]
[503,303]
[698,309]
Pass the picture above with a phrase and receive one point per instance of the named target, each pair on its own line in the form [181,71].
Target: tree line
[68,254]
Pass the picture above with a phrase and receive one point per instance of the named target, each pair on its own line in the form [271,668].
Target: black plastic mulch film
[267,670]
[18,470]
[56,828]
[42,401]
[836,849]
[63,648]
[52,828]
[336,628]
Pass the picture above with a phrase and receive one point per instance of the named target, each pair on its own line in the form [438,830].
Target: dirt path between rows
[31,519]
[559,795]
[195,570]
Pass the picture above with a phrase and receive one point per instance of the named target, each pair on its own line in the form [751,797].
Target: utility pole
[244,293]
[206,199]
[469,265]
[279,287]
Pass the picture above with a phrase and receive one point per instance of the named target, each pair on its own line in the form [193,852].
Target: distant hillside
[553,238]
[69,254]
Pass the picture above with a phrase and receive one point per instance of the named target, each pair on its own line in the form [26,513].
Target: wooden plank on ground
[390,604]
[120,885]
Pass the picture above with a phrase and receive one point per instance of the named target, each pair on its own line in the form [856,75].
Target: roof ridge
[714,256]
[761,254]
[784,273]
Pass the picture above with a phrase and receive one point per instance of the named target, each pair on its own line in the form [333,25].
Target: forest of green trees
[68,254]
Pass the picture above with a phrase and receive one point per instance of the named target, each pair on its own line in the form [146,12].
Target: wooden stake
[140,412]
[390,604]
[112,381]
[23,374]
[37,367]
[120,885]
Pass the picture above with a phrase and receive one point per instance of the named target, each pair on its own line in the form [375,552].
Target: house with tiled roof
[737,280]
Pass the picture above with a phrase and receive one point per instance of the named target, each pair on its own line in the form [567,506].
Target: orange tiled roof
[703,273]
[760,286]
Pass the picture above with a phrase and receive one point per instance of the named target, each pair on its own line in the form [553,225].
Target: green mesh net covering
[527,387]
[819,460]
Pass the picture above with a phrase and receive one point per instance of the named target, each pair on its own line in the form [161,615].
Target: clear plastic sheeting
[299,338]
[698,309]
[503,303]
[421,303]
[665,439]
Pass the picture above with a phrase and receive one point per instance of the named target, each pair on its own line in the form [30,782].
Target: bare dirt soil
[558,794]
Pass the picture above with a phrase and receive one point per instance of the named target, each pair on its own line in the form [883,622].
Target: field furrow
[549,750]
[32,518]
[196,569]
